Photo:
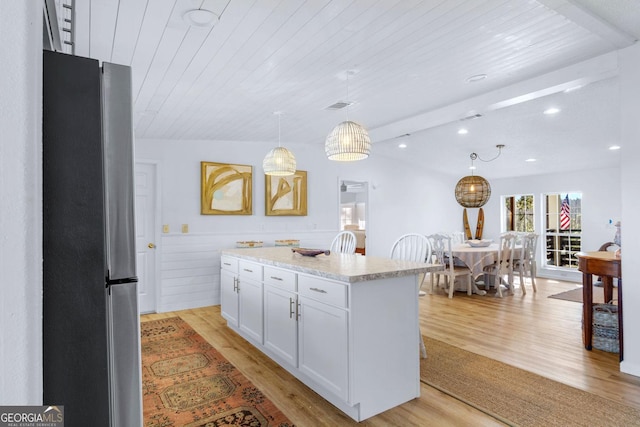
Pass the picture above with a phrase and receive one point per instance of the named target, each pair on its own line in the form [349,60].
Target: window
[518,215]
[563,229]
[346,215]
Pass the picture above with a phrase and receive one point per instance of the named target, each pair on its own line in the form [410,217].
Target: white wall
[630,177]
[402,199]
[601,201]
[21,208]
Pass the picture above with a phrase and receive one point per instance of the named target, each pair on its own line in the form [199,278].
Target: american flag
[565,214]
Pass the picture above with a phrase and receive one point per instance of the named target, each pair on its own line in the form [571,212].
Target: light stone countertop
[341,267]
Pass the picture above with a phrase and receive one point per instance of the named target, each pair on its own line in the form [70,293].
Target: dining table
[476,258]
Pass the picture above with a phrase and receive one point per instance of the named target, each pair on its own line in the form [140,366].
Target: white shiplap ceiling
[410,60]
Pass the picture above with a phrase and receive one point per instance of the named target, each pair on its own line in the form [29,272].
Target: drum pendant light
[348,141]
[279,161]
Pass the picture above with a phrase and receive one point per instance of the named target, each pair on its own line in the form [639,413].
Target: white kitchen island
[345,325]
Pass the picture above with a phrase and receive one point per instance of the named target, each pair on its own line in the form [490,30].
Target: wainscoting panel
[190,263]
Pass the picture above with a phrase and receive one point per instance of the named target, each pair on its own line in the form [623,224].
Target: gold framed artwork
[225,189]
[286,195]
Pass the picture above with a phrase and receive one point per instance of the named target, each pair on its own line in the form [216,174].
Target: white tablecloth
[476,258]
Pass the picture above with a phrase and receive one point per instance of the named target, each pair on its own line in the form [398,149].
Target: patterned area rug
[186,382]
[515,396]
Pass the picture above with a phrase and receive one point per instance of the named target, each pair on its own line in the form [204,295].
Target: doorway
[146,235]
[353,210]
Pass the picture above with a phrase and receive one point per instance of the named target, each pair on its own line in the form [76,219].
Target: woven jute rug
[575,295]
[514,396]
[186,382]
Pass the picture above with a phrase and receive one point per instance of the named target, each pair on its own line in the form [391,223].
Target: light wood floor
[532,332]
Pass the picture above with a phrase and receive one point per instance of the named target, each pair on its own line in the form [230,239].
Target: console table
[606,265]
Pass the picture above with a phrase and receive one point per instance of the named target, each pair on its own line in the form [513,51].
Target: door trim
[156,232]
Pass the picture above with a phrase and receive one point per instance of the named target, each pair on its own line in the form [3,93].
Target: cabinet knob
[151,246]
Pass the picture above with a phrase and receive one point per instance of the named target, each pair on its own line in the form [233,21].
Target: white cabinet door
[229,296]
[280,324]
[322,345]
[250,314]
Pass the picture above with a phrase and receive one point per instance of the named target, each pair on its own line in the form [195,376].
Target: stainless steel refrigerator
[91,332]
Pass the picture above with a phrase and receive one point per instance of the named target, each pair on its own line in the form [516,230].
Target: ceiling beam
[581,74]
[582,16]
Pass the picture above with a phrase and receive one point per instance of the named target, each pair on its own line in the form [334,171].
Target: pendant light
[348,141]
[473,191]
[279,161]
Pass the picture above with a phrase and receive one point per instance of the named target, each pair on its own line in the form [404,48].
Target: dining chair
[441,250]
[504,264]
[526,263]
[413,247]
[608,247]
[344,243]
[457,237]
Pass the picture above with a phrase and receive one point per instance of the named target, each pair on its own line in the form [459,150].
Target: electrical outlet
[165,228]
[185,228]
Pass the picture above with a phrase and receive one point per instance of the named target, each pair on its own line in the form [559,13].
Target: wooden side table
[606,265]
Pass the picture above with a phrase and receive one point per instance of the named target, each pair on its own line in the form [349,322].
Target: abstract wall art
[226,189]
[286,195]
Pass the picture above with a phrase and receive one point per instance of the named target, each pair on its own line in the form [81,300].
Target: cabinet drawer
[284,279]
[323,290]
[228,263]
[250,270]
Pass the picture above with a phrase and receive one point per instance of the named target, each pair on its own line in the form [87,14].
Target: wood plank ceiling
[408,62]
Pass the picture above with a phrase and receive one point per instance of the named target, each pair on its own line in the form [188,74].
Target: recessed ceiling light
[614,147]
[476,78]
[402,145]
[200,17]
[552,110]
[530,160]
[462,131]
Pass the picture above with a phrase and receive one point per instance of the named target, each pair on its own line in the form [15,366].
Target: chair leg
[511,285]
[452,283]
[422,293]
[532,271]
[423,350]
[522,276]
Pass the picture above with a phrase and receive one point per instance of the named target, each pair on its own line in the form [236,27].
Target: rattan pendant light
[473,191]
[279,161]
[348,141]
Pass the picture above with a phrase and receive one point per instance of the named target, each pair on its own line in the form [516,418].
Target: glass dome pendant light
[348,141]
[279,161]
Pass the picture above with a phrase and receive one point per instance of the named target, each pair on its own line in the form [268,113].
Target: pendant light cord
[475,156]
[279,117]
[348,102]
